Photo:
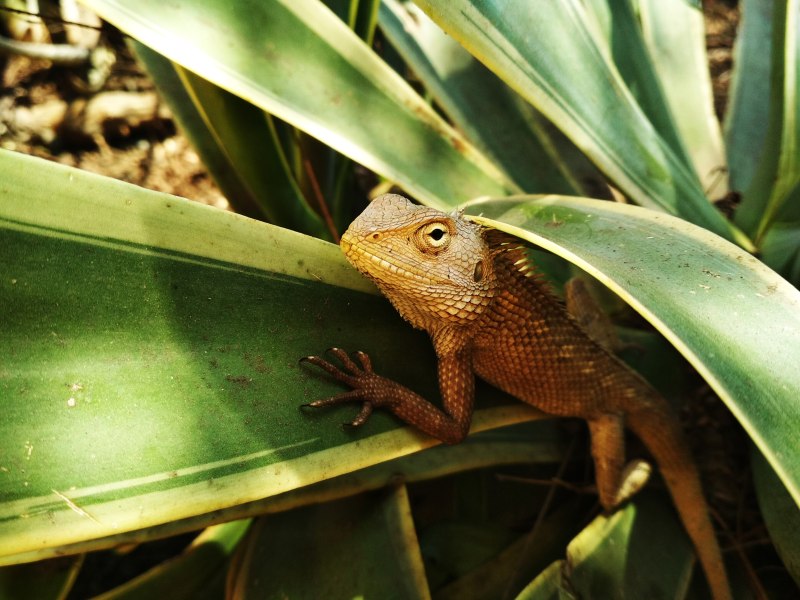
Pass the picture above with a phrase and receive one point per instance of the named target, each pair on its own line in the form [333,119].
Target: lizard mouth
[345,244]
[372,264]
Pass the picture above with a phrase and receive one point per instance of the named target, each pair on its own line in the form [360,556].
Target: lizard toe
[344,358]
[361,418]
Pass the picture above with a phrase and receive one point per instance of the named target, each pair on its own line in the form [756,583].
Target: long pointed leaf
[190,121]
[778,174]
[621,35]
[747,114]
[149,360]
[359,547]
[488,111]
[675,34]
[551,58]
[734,319]
[298,61]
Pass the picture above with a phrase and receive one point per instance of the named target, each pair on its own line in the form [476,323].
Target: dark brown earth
[123,130]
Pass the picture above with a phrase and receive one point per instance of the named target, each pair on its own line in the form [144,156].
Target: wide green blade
[551,58]
[44,580]
[773,193]
[781,514]
[781,250]
[614,556]
[602,554]
[490,114]
[619,33]
[298,61]
[360,547]
[675,35]
[747,114]
[235,140]
[150,360]
[198,572]
[734,319]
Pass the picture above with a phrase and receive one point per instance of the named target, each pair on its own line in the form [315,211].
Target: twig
[323,206]
[62,54]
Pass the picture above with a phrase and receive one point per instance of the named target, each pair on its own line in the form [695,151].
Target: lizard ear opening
[477,274]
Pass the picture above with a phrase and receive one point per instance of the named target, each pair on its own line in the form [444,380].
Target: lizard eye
[435,235]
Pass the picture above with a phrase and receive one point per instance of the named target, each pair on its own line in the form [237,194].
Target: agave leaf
[781,250]
[747,114]
[773,191]
[548,585]
[296,60]
[198,572]
[190,120]
[490,114]
[237,141]
[677,276]
[781,514]
[522,560]
[526,443]
[150,352]
[675,35]
[363,546]
[44,580]
[551,58]
[619,34]
[616,553]
[601,554]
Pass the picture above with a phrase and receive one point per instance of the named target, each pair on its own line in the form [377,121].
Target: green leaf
[238,143]
[359,547]
[620,35]
[192,574]
[781,250]
[522,560]
[298,61]
[190,120]
[550,57]
[678,276]
[601,554]
[778,176]
[675,35]
[781,514]
[491,115]
[549,585]
[151,349]
[747,114]
[615,556]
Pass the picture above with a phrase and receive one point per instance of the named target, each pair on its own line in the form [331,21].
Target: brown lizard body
[471,289]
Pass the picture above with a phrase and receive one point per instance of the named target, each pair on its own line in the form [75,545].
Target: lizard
[489,314]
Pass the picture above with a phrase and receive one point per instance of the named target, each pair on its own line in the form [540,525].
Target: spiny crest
[514,251]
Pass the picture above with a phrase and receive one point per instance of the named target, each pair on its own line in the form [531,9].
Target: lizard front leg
[456,383]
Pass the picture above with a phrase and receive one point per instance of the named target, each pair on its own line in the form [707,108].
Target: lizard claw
[350,374]
[361,417]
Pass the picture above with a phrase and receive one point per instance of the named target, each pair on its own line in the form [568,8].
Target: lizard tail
[664,439]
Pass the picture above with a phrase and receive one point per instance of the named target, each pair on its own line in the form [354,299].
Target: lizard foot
[634,477]
[361,378]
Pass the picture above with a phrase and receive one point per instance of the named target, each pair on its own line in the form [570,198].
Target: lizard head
[430,264]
